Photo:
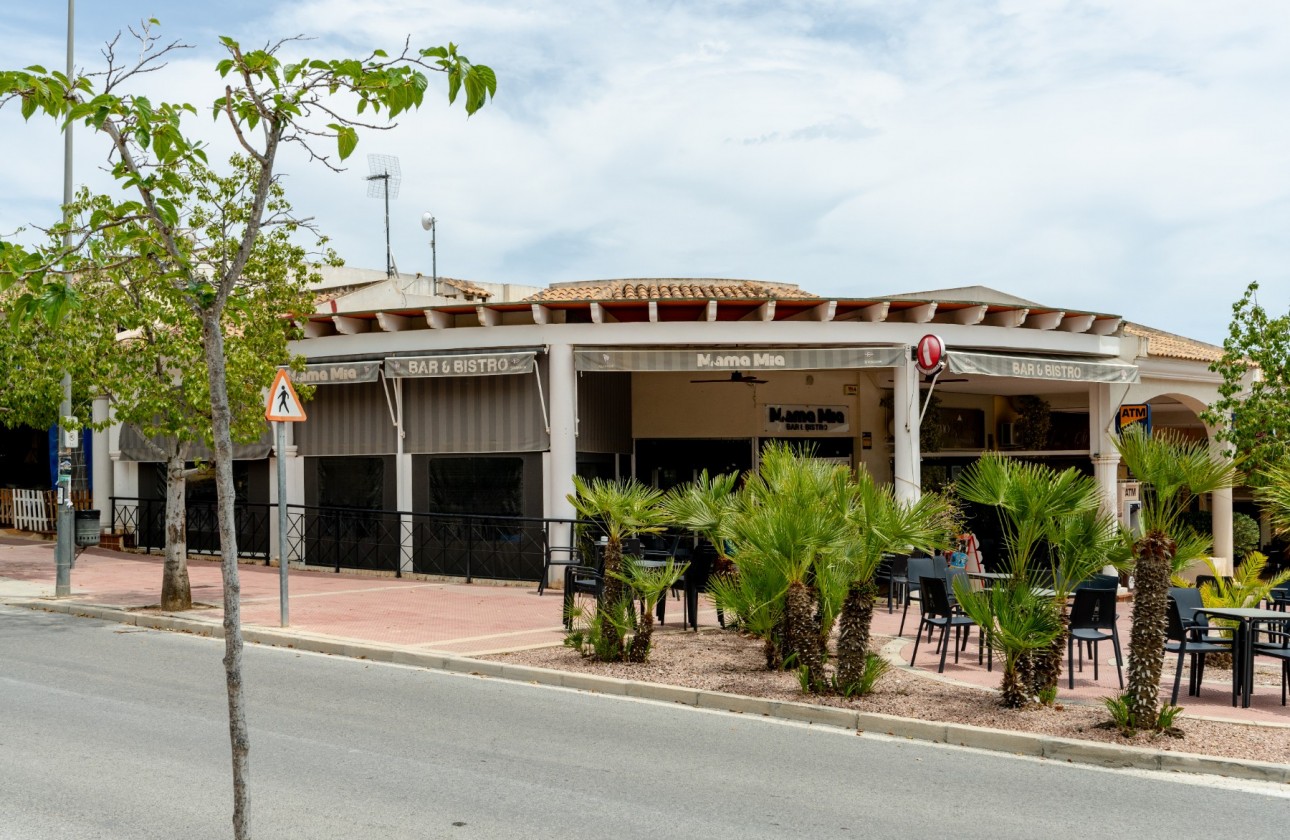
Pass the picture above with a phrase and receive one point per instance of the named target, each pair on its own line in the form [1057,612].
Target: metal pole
[63,549]
[434,260]
[389,257]
[282,521]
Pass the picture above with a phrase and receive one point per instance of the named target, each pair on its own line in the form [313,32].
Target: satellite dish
[427,221]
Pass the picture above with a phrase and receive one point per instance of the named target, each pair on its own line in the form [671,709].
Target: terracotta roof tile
[465,287]
[671,289]
[1170,346]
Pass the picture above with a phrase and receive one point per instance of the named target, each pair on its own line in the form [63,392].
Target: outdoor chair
[1279,597]
[1187,641]
[558,555]
[581,580]
[1092,620]
[1277,646]
[895,571]
[1189,604]
[916,568]
[934,602]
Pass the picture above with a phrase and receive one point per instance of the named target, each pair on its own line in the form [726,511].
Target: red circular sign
[931,354]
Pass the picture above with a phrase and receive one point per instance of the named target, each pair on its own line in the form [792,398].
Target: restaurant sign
[501,363]
[805,419]
[1131,415]
[736,358]
[338,374]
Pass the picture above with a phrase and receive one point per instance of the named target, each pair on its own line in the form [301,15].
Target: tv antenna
[383,182]
[428,222]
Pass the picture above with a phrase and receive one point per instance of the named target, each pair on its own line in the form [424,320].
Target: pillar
[563,460]
[1101,445]
[906,406]
[101,472]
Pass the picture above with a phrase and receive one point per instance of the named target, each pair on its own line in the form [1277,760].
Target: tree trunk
[176,592]
[611,594]
[1016,677]
[1147,637]
[639,650]
[853,635]
[803,634]
[221,428]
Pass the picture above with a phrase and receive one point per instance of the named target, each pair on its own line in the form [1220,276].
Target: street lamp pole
[64,549]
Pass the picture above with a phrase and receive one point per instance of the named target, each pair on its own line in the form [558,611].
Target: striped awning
[736,358]
[1049,368]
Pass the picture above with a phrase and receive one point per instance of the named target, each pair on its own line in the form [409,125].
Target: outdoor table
[1247,626]
[989,579]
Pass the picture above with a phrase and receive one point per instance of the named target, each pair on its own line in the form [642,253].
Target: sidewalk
[483,618]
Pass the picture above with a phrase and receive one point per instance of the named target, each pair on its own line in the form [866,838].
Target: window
[485,485]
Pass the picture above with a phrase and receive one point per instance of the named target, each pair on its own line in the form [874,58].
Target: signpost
[283,407]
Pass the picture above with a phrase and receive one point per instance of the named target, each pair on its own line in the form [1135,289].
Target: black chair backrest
[953,573]
[900,565]
[920,567]
[1100,582]
[934,600]
[1189,601]
[1175,631]
[1094,609]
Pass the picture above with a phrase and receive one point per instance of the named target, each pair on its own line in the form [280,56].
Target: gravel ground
[726,661]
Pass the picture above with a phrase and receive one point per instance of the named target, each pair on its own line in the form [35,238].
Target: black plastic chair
[1189,606]
[1111,582]
[937,611]
[895,571]
[584,580]
[558,555]
[1277,646]
[1092,620]
[1187,641]
[916,568]
[1279,597]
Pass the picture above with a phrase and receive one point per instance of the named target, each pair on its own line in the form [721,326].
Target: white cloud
[1115,155]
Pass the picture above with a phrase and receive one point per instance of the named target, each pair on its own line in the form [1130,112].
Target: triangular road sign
[284,405]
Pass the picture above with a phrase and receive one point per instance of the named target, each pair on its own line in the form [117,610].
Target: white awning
[1050,368]
[496,363]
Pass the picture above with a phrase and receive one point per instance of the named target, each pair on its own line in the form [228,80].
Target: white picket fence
[29,510]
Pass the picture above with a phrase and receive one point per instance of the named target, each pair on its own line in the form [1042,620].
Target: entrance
[667,462]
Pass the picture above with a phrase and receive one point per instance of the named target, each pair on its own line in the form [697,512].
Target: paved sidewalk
[483,618]
[464,619]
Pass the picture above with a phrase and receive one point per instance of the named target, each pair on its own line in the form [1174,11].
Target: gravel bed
[726,661]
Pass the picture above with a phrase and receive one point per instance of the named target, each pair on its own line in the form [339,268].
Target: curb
[995,740]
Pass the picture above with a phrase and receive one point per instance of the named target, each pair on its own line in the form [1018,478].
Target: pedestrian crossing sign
[284,404]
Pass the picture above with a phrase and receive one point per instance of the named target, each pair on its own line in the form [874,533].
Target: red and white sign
[284,405]
[930,357]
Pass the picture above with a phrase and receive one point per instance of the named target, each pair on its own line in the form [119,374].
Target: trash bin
[87,528]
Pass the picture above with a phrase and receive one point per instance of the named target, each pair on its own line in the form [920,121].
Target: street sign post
[283,407]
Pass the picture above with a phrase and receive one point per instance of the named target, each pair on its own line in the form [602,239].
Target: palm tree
[791,522]
[1055,537]
[1172,471]
[647,584]
[624,509]
[879,524]
[1021,626]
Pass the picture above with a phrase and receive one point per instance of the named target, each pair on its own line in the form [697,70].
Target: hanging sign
[1134,414]
[930,355]
[284,405]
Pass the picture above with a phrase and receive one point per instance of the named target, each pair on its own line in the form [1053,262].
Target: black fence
[145,519]
[457,545]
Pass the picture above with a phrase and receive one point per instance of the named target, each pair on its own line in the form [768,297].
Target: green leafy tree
[1252,412]
[1172,472]
[266,103]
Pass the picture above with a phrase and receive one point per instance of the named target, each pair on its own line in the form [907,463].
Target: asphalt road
[109,731]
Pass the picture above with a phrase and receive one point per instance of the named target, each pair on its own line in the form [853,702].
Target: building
[489,401]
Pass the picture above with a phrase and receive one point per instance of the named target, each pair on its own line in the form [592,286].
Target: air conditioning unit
[1007,434]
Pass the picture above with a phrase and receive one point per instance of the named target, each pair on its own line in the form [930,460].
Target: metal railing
[145,520]
[455,545]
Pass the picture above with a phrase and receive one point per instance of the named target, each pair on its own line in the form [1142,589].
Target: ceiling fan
[736,376]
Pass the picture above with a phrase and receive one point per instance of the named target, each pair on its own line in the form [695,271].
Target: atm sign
[1131,414]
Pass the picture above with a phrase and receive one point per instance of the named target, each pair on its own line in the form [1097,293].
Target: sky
[1116,156]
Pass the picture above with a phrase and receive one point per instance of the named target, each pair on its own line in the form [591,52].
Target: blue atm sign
[1135,414]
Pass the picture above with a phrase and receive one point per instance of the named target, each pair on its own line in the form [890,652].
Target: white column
[906,452]
[1220,509]
[1101,445]
[295,496]
[101,475]
[563,462]
[403,481]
